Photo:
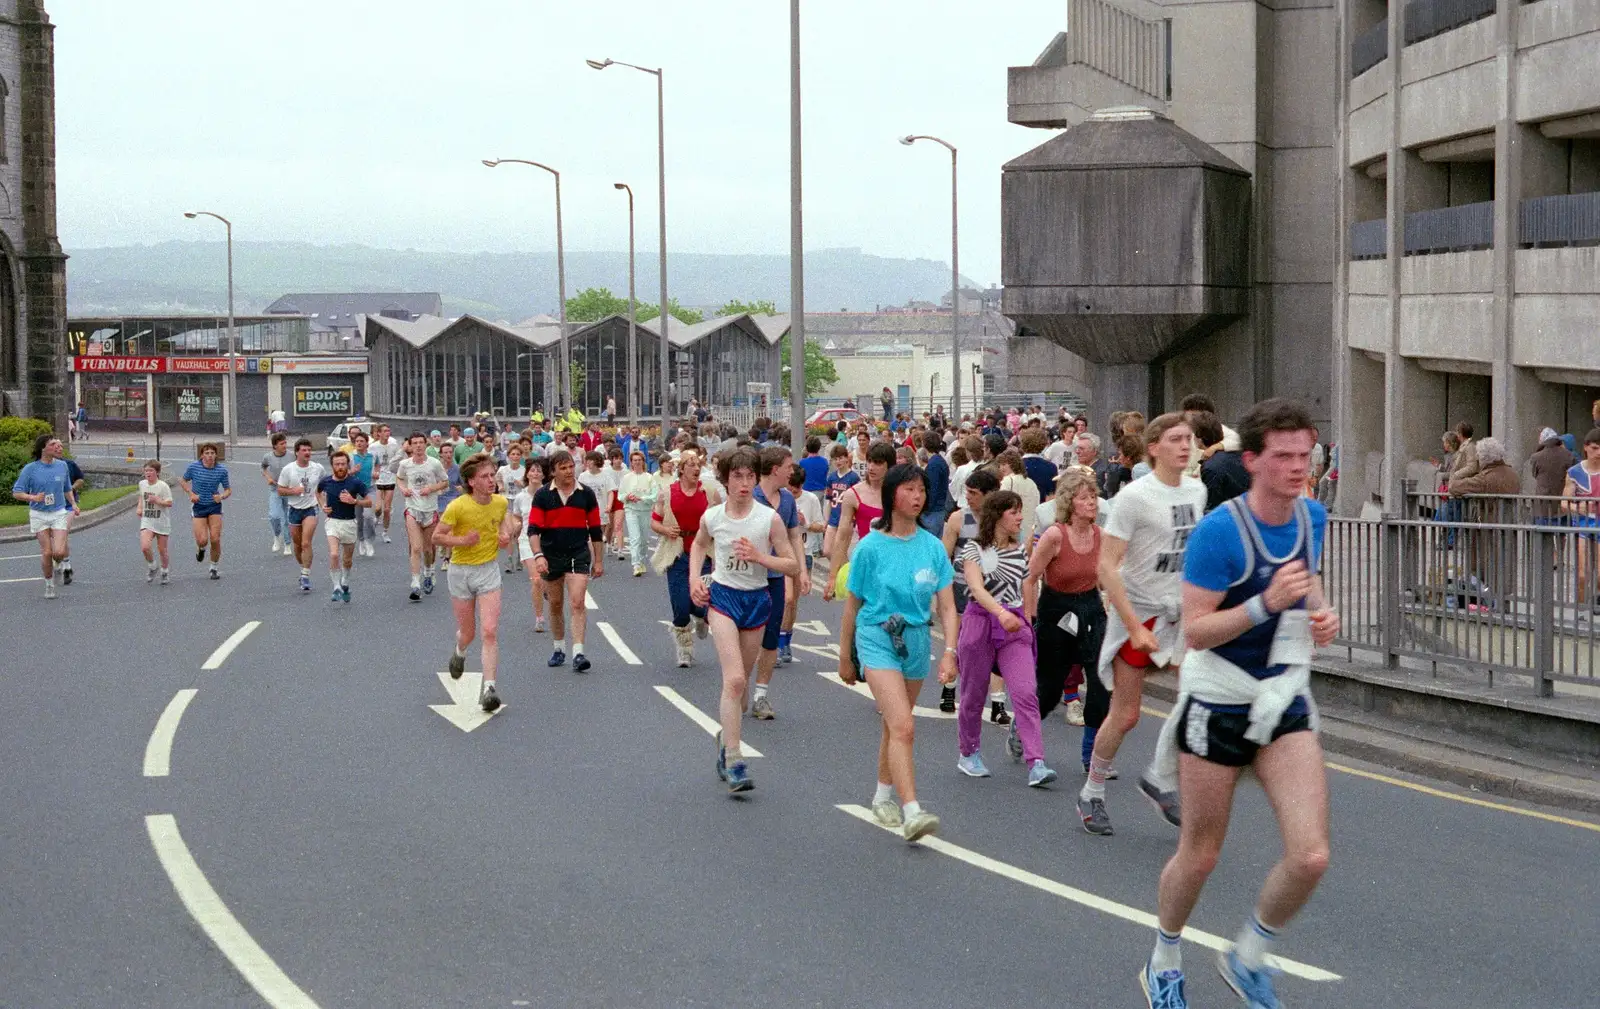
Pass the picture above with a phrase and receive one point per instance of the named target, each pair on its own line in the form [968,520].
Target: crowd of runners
[1027,570]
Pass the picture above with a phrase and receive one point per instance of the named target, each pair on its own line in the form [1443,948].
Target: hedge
[22,431]
[12,459]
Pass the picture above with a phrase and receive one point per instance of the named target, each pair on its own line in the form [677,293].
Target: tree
[578,377]
[737,307]
[595,303]
[820,372]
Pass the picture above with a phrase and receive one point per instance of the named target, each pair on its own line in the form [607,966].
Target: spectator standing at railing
[1549,465]
[1493,480]
[1583,488]
[1466,462]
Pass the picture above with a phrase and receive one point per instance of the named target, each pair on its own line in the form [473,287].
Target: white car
[340,436]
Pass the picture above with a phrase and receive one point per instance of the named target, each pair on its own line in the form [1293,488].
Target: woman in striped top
[995,632]
[206,483]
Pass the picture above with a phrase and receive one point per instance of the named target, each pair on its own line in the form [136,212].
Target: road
[321,837]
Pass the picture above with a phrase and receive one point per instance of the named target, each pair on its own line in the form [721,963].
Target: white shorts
[343,530]
[423,519]
[39,521]
[524,549]
[469,581]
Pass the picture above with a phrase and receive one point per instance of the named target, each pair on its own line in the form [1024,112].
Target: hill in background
[180,277]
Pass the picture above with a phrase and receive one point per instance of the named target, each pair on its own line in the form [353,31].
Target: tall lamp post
[633,312]
[563,387]
[661,177]
[230,383]
[797,249]
[955,277]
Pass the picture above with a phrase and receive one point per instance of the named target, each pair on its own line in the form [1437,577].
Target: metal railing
[1427,18]
[1121,45]
[1369,239]
[1450,229]
[1560,220]
[1509,600]
[1369,48]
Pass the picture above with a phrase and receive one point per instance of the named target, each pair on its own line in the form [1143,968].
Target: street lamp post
[955,277]
[633,311]
[661,177]
[797,257]
[563,389]
[230,383]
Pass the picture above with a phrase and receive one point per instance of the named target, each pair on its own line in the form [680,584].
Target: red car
[834,414]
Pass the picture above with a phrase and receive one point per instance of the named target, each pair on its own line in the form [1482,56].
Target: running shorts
[1218,736]
[299,515]
[560,567]
[747,608]
[1132,656]
[40,521]
[343,530]
[469,581]
[203,511]
[524,549]
[775,592]
[421,518]
[875,650]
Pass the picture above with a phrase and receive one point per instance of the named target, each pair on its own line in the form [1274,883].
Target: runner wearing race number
[386,455]
[420,477]
[747,540]
[342,495]
[155,520]
[1253,610]
[775,463]
[298,484]
[1141,571]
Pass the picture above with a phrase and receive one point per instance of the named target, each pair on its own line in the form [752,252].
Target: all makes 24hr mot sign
[324,401]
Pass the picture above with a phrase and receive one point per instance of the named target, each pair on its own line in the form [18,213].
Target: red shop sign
[197,364]
[139,365]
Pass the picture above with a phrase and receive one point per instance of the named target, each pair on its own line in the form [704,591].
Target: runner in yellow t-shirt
[476,527]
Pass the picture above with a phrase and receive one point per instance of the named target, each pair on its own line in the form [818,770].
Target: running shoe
[1163,990]
[785,654]
[149,574]
[1040,775]
[638,571]
[947,699]
[427,585]
[458,665]
[416,592]
[998,713]
[722,758]
[739,777]
[344,591]
[920,825]
[1014,745]
[701,628]
[580,662]
[305,583]
[887,813]
[557,658]
[1166,803]
[538,625]
[1073,712]
[165,576]
[762,709]
[973,766]
[1253,986]
[214,576]
[277,545]
[489,700]
[66,576]
[1095,818]
[386,538]
[199,554]
[50,588]
[338,595]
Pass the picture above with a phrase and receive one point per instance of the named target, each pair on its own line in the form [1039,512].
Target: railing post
[1389,561]
[1541,581]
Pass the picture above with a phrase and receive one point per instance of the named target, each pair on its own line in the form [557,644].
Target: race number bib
[1291,644]
[49,500]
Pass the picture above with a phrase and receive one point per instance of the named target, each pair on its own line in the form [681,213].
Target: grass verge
[16,515]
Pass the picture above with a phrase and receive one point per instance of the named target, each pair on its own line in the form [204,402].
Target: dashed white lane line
[588,601]
[225,649]
[158,751]
[866,691]
[1082,897]
[14,581]
[700,718]
[218,923]
[617,644]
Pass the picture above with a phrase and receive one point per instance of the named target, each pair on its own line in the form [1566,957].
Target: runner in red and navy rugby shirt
[567,539]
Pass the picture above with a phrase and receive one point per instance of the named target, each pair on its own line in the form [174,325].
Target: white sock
[416,581]
[735,752]
[305,572]
[1168,954]
[333,576]
[911,809]
[461,653]
[150,564]
[998,697]
[761,691]
[1254,942]
[885,793]
[577,647]
[344,577]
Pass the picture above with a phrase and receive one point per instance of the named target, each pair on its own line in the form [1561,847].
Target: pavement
[236,794]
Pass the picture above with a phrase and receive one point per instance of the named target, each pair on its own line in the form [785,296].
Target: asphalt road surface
[296,826]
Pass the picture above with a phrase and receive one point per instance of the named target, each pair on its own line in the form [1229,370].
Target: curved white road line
[158,751]
[219,924]
[1092,901]
[225,649]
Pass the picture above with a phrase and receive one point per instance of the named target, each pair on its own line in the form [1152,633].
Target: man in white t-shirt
[421,478]
[1060,452]
[1141,571]
[386,454]
[298,483]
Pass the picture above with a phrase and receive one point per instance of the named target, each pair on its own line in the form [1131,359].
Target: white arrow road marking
[617,643]
[463,711]
[866,691]
[828,651]
[816,627]
[219,924]
[158,751]
[225,649]
[702,719]
[1092,901]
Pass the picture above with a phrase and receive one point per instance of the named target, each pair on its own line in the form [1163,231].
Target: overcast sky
[364,121]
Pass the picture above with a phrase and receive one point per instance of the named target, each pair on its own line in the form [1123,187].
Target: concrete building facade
[1468,268]
[33,290]
[1253,81]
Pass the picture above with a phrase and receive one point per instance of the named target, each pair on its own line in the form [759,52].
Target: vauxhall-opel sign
[324,401]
